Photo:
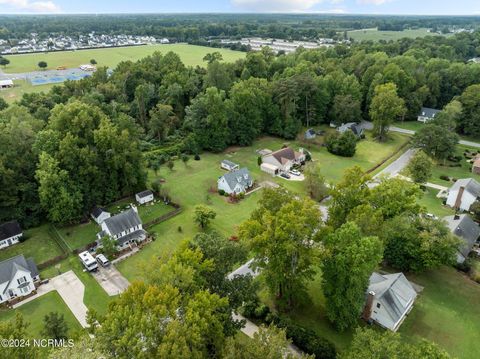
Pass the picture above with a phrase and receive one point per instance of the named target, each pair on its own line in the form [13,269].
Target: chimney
[458,201]
[367,311]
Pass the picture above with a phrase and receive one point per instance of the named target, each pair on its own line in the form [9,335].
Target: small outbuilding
[5,84]
[310,134]
[144,197]
[10,233]
[229,165]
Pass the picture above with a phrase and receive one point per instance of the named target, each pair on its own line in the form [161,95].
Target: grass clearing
[191,55]
[20,87]
[433,204]
[376,35]
[39,244]
[446,312]
[464,171]
[34,312]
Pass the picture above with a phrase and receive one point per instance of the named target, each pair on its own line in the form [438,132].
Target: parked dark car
[285,175]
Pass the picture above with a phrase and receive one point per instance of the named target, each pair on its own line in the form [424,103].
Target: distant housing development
[256,44]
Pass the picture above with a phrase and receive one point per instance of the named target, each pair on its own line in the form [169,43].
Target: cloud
[373,2]
[276,5]
[32,6]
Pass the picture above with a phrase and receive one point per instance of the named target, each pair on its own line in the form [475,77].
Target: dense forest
[90,142]
[190,27]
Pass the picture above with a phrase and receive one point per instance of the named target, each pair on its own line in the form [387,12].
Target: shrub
[197,157]
[342,145]
[261,311]
[444,177]
[259,160]
[179,229]
[221,192]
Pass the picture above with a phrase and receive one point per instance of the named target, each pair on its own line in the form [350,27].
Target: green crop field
[375,35]
[191,55]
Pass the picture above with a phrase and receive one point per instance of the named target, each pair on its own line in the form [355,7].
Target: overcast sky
[413,7]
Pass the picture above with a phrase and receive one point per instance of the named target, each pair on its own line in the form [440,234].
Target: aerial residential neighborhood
[239,179]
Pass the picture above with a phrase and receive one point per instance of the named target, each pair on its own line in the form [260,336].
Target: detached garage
[269,168]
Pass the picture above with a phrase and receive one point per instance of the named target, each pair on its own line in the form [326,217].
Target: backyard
[39,244]
[433,204]
[451,169]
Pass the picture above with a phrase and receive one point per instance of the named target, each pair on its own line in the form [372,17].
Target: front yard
[433,204]
[464,171]
[33,312]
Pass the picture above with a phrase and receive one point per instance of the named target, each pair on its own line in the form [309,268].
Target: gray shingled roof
[97,211]
[429,112]
[9,267]
[393,291]
[241,176]
[469,184]
[9,229]
[123,221]
[465,228]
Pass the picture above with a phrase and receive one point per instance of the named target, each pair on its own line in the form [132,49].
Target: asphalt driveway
[111,280]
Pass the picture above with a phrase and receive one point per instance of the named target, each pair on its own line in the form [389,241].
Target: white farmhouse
[235,182]
[284,159]
[427,114]
[10,233]
[463,194]
[17,278]
[144,197]
[126,228]
[390,298]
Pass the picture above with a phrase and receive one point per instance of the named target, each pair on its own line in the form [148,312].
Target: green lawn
[21,87]
[433,204]
[34,312]
[409,125]
[456,172]
[188,185]
[375,35]
[79,235]
[446,312]
[191,55]
[39,245]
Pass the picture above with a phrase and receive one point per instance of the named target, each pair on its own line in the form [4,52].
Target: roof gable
[10,266]
[122,221]
[469,184]
[240,177]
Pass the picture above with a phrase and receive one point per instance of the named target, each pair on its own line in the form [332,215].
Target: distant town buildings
[277,45]
[60,43]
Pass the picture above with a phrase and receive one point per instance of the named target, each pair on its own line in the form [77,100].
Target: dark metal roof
[145,193]
[9,229]
[97,211]
[465,228]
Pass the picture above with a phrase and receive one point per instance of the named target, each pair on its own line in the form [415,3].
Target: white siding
[13,240]
[467,200]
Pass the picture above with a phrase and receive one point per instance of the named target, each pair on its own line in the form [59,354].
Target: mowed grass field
[191,55]
[21,87]
[376,35]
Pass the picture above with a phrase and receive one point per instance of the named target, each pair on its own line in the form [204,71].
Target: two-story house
[17,278]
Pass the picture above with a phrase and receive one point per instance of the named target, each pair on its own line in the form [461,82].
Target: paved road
[71,289]
[397,166]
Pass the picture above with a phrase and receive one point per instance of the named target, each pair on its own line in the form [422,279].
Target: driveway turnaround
[71,289]
[111,280]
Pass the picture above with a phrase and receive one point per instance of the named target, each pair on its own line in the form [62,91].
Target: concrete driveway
[71,289]
[111,280]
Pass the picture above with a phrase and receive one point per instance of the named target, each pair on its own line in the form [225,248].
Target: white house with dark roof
[390,298]
[427,114]
[17,278]
[235,182]
[144,197]
[126,228]
[463,194]
[467,230]
[284,159]
[99,214]
[356,128]
[10,233]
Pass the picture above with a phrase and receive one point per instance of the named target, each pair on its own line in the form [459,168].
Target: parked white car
[295,172]
[104,262]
